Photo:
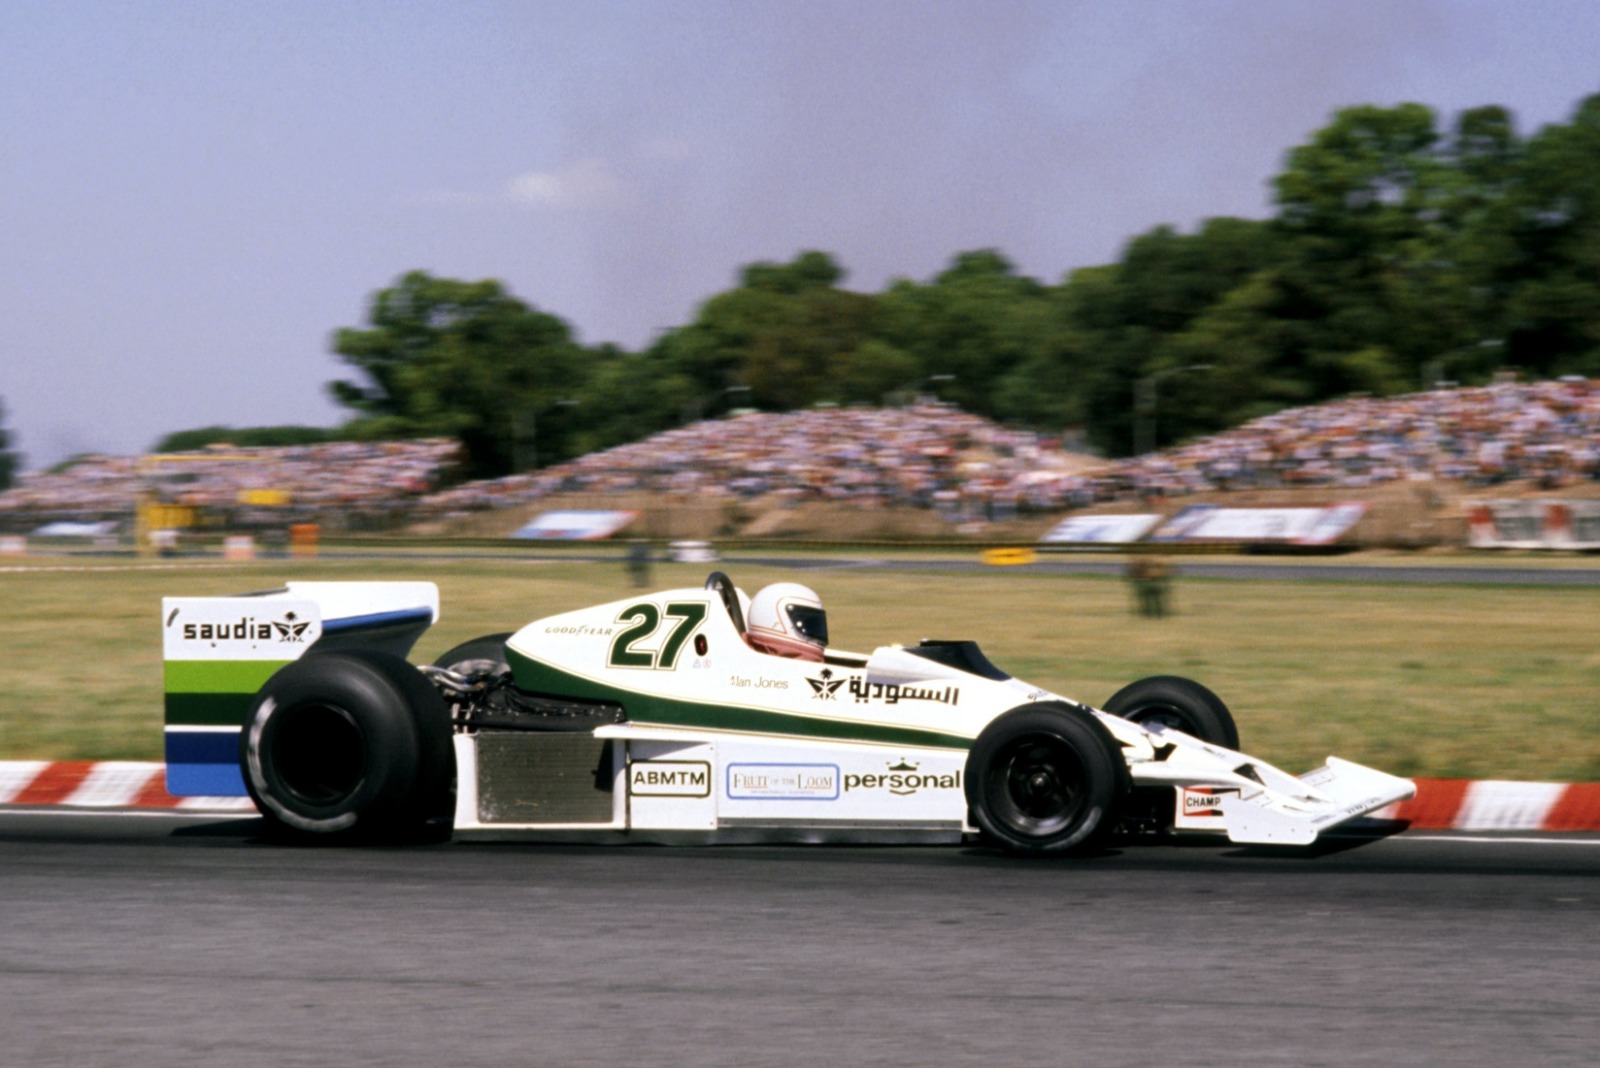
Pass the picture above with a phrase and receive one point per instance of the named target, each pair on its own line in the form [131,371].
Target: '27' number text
[645,620]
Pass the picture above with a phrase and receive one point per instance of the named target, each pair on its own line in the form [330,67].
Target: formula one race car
[665,717]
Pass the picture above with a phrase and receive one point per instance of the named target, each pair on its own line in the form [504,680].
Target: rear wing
[218,651]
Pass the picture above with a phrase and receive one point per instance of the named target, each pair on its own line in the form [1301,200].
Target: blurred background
[912,271]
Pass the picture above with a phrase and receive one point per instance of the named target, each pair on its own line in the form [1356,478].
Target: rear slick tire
[348,745]
[1046,778]
[485,655]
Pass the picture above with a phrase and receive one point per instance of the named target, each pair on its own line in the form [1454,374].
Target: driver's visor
[808,622]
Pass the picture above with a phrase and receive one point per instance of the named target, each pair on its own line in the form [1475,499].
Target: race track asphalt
[171,940]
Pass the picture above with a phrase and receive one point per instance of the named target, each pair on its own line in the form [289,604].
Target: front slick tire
[350,745]
[1046,778]
[1172,701]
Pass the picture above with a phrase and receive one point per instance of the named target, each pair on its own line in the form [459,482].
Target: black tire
[480,656]
[1171,701]
[352,744]
[1046,778]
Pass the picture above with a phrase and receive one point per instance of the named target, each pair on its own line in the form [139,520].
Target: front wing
[1223,791]
[1337,792]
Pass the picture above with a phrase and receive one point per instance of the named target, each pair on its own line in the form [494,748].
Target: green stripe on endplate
[207,709]
[214,693]
[219,676]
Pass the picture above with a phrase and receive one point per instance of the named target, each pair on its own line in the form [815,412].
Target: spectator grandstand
[325,482]
[1543,435]
[926,456]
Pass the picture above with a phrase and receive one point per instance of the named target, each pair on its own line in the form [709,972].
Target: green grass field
[1481,682]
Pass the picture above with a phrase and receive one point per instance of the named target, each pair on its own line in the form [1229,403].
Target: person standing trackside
[639,562]
[1150,578]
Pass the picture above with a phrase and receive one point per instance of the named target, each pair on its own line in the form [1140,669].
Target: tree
[244,437]
[463,360]
[8,459]
[1362,178]
[1361,204]
[872,371]
[808,271]
[630,395]
[1126,320]
[1400,252]
[1552,211]
[976,322]
[787,333]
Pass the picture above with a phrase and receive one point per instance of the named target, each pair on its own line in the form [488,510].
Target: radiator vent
[544,778]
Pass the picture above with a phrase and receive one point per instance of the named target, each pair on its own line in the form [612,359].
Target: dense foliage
[246,437]
[467,360]
[8,459]
[1399,254]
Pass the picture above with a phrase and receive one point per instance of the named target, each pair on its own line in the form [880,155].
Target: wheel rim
[478,667]
[1165,716]
[319,753]
[1037,785]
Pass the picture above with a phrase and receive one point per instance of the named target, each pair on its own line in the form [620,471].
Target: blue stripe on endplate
[205,780]
[378,619]
[204,764]
[202,747]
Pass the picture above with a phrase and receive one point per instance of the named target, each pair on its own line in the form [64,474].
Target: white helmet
[787,618]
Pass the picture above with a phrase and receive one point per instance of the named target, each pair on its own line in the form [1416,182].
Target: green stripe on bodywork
[214,693]
[207,709]
[219,676]
[654,710]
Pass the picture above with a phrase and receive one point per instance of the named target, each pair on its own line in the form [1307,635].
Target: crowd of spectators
[924,456]
[305,481]
[1545,435]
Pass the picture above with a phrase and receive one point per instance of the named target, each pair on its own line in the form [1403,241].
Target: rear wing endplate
[217,652]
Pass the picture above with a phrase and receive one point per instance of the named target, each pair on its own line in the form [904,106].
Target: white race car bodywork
[700,737]
[735,743]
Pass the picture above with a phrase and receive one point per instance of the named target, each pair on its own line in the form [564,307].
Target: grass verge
[1478,682]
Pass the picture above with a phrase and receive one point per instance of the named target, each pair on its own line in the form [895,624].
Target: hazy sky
[194,196]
